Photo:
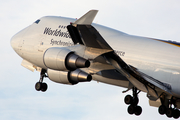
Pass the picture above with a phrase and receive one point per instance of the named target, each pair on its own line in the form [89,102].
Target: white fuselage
[155,58]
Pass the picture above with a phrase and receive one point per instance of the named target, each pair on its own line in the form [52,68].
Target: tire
[169,112]
[138,110]
[176,114]
[44,87]
[162,109]
[131,109]
[128,99]
[38,86]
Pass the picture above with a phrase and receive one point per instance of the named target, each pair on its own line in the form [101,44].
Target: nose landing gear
[41,86]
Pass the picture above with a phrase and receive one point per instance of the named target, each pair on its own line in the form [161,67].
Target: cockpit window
[37,21]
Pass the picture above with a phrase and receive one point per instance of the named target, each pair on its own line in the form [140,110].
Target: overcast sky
[85,101]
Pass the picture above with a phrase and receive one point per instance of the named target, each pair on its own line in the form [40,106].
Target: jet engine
[63,59]
[71,77]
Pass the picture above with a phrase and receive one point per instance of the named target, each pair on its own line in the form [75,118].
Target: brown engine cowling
[71,77]
[63,59]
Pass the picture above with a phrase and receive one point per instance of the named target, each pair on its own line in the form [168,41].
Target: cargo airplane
[70,51]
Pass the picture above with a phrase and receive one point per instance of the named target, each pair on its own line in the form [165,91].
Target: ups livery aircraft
[70,51]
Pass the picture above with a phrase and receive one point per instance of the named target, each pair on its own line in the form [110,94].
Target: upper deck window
[37,21]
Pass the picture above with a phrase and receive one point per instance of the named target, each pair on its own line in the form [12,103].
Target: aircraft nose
[16,39]
[15,42]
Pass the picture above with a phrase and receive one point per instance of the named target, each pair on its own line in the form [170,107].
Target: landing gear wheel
[128,99]
[138,110]
[169,112]
[41,86]
[176,114]
[44,87]
[162,109]
[131,109]
[38,86]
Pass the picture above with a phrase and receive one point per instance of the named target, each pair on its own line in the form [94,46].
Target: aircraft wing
[82,32]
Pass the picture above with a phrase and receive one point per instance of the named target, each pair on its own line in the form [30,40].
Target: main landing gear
[41,85]
[133,101]
[166,108]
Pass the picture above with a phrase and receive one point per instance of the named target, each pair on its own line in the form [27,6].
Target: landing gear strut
[133,101]
[40,85]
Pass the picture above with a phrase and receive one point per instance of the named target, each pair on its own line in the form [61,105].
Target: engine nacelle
[63,59]
[72,77]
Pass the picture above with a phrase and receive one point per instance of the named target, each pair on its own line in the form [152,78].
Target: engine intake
[72,77]
[63,59]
